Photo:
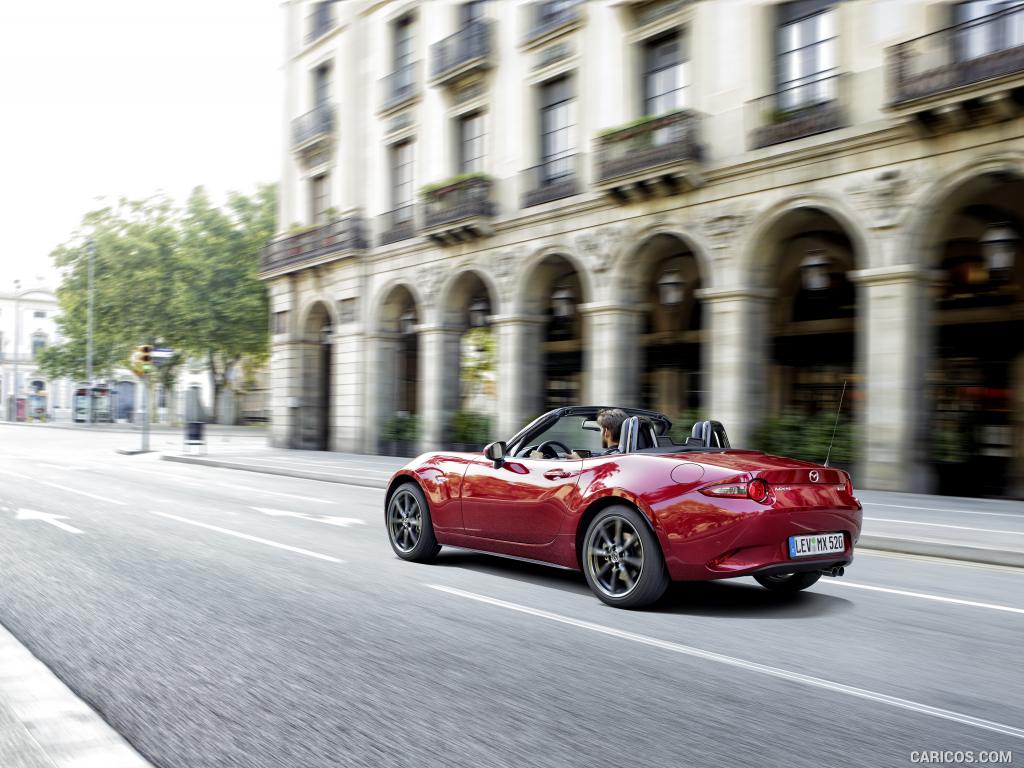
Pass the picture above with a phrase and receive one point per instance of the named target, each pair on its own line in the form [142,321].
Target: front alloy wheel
[409,529]
[621,559]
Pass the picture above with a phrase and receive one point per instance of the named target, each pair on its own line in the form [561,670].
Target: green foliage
[640,121]
[470,428]
[683,424]
[478,359]
[430,189]
[186,279]
[402,427]
[798,436]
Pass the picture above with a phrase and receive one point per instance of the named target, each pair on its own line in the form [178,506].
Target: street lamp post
[88,338]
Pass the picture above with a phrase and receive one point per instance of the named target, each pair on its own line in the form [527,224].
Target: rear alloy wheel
[409,528]
[621,559]
[788,582]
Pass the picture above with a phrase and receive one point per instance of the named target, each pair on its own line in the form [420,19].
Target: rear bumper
[758,543]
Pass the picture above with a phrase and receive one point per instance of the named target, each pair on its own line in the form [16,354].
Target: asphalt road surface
[223,618]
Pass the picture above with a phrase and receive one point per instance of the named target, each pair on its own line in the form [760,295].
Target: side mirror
[496,452]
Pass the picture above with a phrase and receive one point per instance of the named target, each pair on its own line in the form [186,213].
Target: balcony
[551,180]
[396,225]
[335,240]
[657,155]
[806,109]
[314,129]
[467,51]
[459,209]
[547,20]
[399,89]
[962,75]
[319,22]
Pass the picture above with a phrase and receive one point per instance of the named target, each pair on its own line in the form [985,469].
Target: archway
[398,372]
[553,291]
[812,340]
[315,428]
[470,370]
[671,375]
[976,370]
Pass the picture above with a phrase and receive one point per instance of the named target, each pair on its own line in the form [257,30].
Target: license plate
[816,544]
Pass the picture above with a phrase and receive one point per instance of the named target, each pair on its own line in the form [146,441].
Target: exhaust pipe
[834,572]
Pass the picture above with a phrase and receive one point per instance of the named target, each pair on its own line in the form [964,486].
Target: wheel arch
[399,479]
[610,500]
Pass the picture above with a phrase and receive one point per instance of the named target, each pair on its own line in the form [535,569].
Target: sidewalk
[211,429]
[976,530]
[44,725]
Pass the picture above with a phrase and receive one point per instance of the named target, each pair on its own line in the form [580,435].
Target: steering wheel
[551,445]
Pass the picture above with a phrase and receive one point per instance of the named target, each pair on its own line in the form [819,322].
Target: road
[224,618]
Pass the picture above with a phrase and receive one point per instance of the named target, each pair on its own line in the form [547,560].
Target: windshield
[568,431]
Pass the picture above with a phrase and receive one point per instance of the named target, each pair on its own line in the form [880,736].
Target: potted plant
[399,434]
[469,431]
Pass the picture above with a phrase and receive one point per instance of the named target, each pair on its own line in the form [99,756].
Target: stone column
[346,405]
[439,382]
[734,359]
[1015,484]
[893,353]
[613,354]
[519,372]
[379,386]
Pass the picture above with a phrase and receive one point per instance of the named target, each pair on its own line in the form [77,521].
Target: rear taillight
[756,489]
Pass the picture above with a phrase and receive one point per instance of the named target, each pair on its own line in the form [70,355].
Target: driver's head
[611,426]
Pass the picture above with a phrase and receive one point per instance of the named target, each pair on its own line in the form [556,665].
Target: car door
[522,500]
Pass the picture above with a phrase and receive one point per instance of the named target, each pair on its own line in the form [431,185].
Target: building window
[471,11]
[281,322]
[38,344]
[557,120]
[319,198]
[665,74]
[552,11]
[403,43]
[807,59]
[401,181]
[39,313]
[471,143]
[981,36]
[322,85]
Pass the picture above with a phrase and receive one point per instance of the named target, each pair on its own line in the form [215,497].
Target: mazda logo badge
[814,475]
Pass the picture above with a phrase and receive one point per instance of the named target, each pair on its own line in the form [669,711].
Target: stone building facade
[728,208]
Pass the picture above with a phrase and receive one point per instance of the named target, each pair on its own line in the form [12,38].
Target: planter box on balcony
[657,152]
[460,210]
[334,240]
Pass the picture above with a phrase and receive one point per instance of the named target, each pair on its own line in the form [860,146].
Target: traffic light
[146,354]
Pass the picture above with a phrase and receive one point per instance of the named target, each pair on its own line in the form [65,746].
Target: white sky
[129,97]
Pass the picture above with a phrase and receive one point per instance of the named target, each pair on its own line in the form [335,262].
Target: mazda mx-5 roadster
[632,517]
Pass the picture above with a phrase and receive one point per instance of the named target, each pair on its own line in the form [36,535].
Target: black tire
[407,519]
[788,582]
[624,569]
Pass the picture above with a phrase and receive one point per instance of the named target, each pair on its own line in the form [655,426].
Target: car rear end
[774,516]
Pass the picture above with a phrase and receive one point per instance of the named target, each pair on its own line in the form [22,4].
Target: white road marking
[46,517]
[247,537]
[941,525]
[83,493]
[342,522]
[795,677]
[15,474]
[940,561]
[922,595]
[941,509]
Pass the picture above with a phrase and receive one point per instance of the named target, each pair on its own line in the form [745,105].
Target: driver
[611,421]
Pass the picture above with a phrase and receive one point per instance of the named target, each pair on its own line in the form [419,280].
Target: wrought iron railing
[460,200]
[543,19]
[653,142]
[294,251]
[976,50]
[471,42]
[320,21]
[316,122]
[400,85]
[815,105]
[551,180]
[399,224]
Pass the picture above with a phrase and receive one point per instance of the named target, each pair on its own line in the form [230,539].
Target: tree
[220,300]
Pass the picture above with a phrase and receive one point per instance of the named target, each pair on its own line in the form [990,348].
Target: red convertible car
[632,518]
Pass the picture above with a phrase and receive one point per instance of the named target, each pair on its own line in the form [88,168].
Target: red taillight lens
[757,489]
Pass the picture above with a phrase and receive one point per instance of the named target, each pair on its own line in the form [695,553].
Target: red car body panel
[538,508]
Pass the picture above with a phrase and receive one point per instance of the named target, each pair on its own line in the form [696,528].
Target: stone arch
[306,310]
[316,355]
[523,296]
[380,316]
[452,283]
[624,261]
[393,373]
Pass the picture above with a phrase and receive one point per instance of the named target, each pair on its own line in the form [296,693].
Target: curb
[131,429]
[943,549]
[925,547]
[325,477]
